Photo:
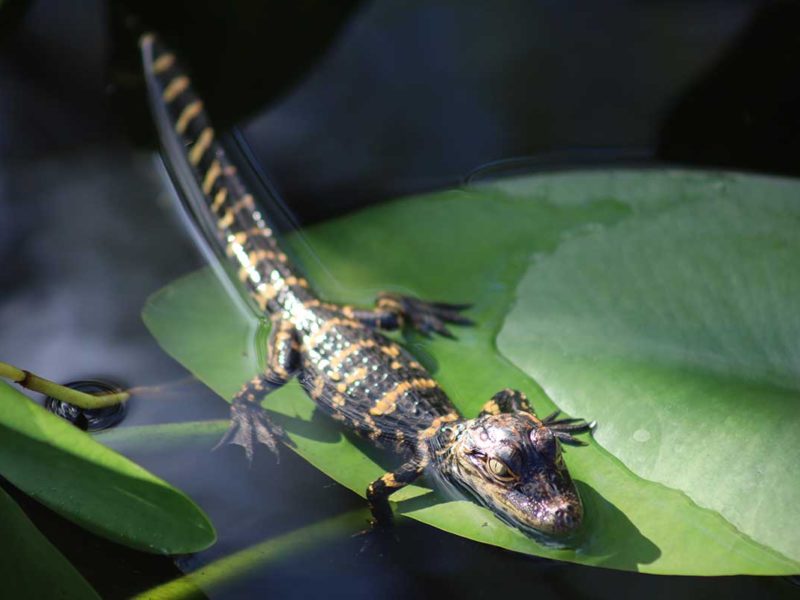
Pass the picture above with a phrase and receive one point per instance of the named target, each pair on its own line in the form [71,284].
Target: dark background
[343,104]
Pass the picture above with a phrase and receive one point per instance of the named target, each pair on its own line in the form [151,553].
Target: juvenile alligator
[506,459]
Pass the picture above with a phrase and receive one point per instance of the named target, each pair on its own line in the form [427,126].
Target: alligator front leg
[250,424]
[393,311]
[379,491]
[508,400]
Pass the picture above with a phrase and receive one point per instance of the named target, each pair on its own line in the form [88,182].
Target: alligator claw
[430,318]
[251,427]
[564,428]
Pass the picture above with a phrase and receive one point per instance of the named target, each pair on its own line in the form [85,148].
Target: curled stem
[44,386]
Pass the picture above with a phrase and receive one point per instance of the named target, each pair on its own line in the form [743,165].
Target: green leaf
[679,331]
[31,567]
[95,487]
[214,577]
[162,438]
[476,245]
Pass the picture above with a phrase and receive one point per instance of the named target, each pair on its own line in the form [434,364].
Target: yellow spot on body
[390,304]
[282,257]
[533,418]
[491,407]
[163,62]
[187,114]
[258,232]
[415,365]
[265,293]
[219,200]
[316,337]
[258,256]
[284,335]
[356,375]
[319,385]
[250,263]
[396,365]
[390,481]
[226,220]
[392,351]
[211,176]
[388,402]
[436,424]
[340,357]
[245,201]
[338,400]
[175,88]
[261,301]
[341,388]
[201,145]
[374,432]
[347,311]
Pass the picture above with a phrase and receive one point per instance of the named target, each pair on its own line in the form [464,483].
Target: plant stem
[44,386]
[231,568]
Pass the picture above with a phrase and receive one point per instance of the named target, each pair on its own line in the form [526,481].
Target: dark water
[407,97]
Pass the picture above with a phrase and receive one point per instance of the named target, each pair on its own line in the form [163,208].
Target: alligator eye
[499,469]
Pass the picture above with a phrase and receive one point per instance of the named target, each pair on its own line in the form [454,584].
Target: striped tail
[224,208]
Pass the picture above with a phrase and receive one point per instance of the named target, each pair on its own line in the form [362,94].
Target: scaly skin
[506,459]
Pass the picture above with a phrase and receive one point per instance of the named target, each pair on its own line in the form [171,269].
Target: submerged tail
[216,194]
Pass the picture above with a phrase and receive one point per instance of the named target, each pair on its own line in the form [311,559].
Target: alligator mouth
[559,517]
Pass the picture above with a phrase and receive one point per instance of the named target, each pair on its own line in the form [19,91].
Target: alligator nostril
[565,518]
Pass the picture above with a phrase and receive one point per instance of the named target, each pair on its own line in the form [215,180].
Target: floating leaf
[679,331]
[164,437]
[476,245]
[31,567]
[65,469]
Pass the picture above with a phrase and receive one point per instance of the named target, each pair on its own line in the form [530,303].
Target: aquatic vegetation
[65,469]
[569,254]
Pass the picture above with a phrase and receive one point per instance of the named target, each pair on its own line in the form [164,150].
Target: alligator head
[511,463]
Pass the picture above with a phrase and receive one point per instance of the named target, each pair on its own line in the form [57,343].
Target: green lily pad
[680,333]
[476,245]
[95,487]
[31,566]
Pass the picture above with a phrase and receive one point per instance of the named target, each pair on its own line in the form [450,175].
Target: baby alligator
[506,459]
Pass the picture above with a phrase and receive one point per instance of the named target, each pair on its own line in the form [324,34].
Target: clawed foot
[427,317]
[564,428]
[250,426]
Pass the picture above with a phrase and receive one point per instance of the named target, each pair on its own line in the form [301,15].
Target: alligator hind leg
[393,311]
[250,424]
